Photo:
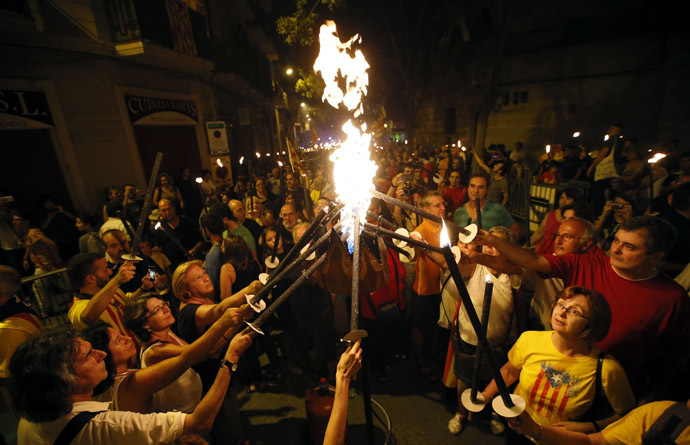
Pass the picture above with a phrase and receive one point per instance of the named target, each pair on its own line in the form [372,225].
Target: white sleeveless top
[184,394]
[500,310]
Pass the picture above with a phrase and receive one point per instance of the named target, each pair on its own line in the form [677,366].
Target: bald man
[240,212]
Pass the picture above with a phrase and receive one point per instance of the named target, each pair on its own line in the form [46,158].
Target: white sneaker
[456,424]
[497,425]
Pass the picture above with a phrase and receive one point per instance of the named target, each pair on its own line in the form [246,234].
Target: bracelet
[596,426]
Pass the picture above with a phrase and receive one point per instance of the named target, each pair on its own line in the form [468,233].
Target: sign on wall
[144,110]
[217,137]
[24,110]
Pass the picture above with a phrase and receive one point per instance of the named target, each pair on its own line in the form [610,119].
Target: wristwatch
[228,364]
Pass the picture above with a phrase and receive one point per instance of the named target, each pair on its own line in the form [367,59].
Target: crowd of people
[584,315]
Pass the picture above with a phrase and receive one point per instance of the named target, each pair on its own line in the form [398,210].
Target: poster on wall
[217,137]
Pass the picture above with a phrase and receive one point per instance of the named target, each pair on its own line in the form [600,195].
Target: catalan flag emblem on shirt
[551,391]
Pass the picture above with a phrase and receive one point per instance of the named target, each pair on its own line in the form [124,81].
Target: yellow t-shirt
[14,331]
[557,387]
[629,429]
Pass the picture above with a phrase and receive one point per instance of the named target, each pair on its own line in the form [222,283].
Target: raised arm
[201,420]
[99,302]
[514,254]
[209,313]
[481,163]
[135,391]
[350,362]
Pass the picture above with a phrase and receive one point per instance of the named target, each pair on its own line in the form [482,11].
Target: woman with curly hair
[166,190]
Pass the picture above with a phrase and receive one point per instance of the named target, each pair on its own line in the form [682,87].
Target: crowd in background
[561,294]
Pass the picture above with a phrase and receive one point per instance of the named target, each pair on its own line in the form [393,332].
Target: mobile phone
[152,274]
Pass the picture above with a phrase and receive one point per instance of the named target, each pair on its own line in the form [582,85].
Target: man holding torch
[426,298]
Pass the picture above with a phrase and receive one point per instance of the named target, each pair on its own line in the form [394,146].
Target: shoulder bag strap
[74,426]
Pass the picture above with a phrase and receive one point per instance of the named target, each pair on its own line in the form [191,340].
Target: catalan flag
[551,391]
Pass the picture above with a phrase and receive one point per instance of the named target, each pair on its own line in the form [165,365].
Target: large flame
[353,169]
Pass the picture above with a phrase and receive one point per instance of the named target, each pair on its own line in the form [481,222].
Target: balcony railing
[168,23]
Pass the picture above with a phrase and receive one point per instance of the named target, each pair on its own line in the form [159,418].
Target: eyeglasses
[566,236]
[570,311]
[157,309]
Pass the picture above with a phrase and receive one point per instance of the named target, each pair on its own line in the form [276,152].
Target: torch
[199,180]
[466,234]
[507,405]
[145,210]
[469,396]
[256,325]
[650,164]
[271,261]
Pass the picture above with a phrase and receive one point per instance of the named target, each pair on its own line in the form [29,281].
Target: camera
[409,189]
[618,206]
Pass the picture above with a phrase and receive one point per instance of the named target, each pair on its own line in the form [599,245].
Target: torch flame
[280,163]
[241,160]
[656,158]
[333,58]
[157,226]
[199,180]
[606,138]
[258,155]
[488,278]
[445,239]
[548,149]
[353,169]
[220,164]
[576,134]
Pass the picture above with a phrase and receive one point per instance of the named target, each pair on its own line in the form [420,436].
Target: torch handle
[277,276]
[418,211]
[486,309]
[296,284]
[477,203]
[483,342]
[148,203]
[394,235]
[354,305]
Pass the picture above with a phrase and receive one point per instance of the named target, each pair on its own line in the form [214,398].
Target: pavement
[417,409]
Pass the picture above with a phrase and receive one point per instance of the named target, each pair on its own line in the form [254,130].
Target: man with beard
[98,296]
[116,245]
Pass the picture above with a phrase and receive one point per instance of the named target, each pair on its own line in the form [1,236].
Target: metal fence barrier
[531,202]
[49,294]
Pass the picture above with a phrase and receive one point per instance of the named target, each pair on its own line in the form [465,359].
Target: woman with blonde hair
[198,310]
